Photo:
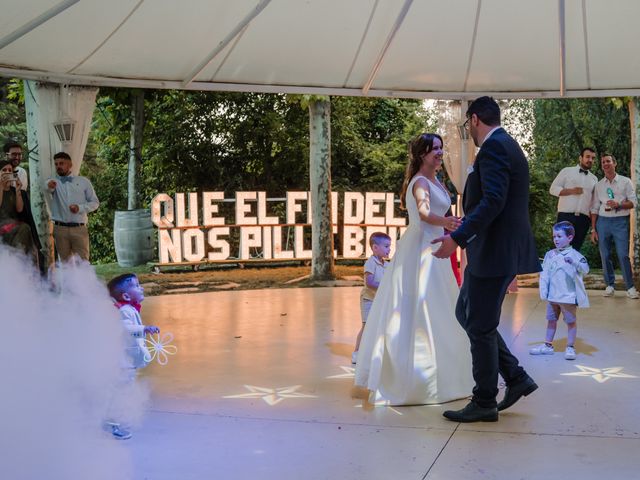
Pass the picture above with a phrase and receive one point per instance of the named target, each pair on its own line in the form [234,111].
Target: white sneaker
[543,349]
[570,353]
[633,293]
[609,292]
[354,357]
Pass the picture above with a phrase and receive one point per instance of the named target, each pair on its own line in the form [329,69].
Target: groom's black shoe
[473,413]
[515,392]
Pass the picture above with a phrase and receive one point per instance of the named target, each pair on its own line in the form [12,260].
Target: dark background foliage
[212,141]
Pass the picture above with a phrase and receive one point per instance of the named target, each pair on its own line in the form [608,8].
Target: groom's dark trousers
[478,311]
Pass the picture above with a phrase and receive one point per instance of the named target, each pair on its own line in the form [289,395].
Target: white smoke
[61,352]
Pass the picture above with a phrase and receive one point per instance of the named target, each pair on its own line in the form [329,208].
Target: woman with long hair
[14,231]
[413,352]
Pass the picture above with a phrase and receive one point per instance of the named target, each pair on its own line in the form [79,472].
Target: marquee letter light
[243,208]
[170,245]
[352,246]
[182,220]
[193,245]
[353,208]
[278,252]
[262,211]
[390,218]
[209,208]
[372,206]
[249,237]
[162,211]
[220,248]
[294,206]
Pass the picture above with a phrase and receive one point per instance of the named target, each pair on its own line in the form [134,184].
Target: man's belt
[68,224]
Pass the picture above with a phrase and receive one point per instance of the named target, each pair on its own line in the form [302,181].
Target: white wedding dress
[413,350]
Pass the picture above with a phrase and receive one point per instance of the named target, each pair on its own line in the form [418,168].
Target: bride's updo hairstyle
[419,146]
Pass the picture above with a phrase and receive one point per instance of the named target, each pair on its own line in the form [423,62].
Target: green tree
[13,123]
[204,141]
[561,128]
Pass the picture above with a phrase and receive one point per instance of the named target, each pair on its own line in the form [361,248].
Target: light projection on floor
[272,396]
[600,375]
[349,372]
[160,347]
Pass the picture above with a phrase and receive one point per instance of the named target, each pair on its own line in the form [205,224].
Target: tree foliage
[206,141]
[560,128]
[12,116]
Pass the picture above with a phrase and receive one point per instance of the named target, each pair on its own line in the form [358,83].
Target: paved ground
[261,387]
[292,276]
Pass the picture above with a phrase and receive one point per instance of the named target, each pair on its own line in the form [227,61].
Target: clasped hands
[448,244]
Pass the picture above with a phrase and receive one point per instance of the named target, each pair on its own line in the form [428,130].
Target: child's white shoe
[609,292]
[354,357]
[633,293]
[116,430]
[570,353]
[543,349]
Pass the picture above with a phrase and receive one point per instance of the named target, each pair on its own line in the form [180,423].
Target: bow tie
[65,179]
[582,170]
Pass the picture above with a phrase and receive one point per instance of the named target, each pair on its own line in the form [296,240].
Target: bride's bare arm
[423,201]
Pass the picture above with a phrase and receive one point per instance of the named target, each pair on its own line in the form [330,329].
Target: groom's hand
[448,246]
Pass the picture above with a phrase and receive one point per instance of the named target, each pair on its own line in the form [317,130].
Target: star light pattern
[349,372]
[271,396]
[600,375]
[160,348]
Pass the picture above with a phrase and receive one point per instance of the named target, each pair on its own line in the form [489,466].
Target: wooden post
[320,178]
[135,149]
[634,168]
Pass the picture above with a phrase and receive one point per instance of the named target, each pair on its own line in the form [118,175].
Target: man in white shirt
[574,188]
[71,198]
[13,152]
[613,198]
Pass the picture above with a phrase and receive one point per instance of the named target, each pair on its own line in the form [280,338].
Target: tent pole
[387,44]
[563,48]
[228,39]
[36,22]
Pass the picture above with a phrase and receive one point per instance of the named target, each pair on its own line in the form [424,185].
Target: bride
[413,351]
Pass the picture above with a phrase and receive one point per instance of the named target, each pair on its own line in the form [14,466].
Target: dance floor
[262,385]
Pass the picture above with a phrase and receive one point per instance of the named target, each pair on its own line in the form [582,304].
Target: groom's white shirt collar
[490,132]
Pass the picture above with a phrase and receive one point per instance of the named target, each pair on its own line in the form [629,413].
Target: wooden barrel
[133,236]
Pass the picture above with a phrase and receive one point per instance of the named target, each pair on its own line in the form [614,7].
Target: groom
[497,236]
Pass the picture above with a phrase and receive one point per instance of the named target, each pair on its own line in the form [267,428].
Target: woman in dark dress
[13,230]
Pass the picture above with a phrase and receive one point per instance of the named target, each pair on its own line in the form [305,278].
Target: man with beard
[574,188]
[497,237]
[613,200]
[13,152]
[71,198]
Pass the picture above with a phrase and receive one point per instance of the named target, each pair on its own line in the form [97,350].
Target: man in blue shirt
[71,198]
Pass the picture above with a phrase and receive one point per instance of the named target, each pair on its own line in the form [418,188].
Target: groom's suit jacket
[495,231]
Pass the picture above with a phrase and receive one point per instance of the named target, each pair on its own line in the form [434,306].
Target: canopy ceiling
[403,48]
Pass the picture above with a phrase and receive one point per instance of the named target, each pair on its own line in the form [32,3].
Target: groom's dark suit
[499,243]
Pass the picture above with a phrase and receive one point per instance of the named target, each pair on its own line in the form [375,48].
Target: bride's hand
[452,223]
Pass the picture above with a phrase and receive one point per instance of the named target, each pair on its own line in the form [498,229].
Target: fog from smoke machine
[61,369]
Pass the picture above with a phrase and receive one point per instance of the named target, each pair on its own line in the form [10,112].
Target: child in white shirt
[562,286]
[374,267]
[128,294]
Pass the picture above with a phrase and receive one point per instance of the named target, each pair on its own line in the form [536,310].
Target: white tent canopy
[403,48]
